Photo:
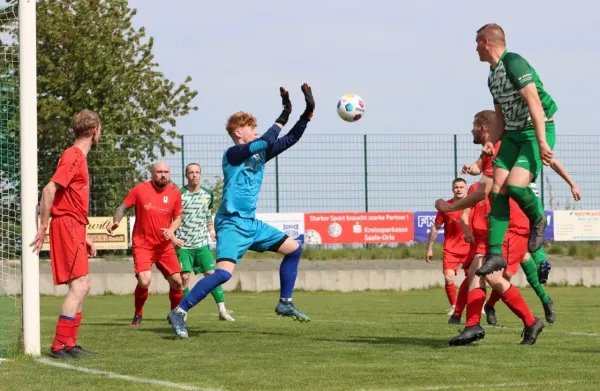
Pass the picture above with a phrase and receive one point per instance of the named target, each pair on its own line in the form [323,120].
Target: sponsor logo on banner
[351,228]
[96,230]
[576,225]
[423,223]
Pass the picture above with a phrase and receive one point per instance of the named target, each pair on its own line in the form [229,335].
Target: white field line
[113,375]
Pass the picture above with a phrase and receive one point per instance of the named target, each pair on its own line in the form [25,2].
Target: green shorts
[519,148]
[199,259]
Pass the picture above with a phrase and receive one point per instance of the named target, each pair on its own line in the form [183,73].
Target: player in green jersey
[524,122]
[191,239]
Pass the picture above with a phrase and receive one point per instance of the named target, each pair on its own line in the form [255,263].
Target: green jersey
[511,74]
[197,211]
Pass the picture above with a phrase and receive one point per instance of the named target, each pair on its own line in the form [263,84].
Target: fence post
[366,173]
[542,188]
[455,158]
[182,161]
[277,184]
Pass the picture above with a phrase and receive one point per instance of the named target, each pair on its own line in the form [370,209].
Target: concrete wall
[326,280]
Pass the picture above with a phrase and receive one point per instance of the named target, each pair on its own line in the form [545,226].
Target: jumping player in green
[191,239]
[524,122]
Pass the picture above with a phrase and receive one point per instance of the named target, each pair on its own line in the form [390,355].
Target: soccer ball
[351,107]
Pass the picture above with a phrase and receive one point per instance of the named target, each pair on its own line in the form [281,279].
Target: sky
[413,62]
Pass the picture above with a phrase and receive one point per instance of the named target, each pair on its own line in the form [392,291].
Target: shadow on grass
[434,343]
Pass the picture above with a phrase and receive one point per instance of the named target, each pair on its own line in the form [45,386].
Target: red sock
[64,333]
[475,301]
[451,293]
[176,296]
[76,327]
[141,294]
[461,300]
[513,299]
[494,297]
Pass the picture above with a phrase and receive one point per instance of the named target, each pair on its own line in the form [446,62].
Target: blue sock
[65,317]
[288,272]
[203,288]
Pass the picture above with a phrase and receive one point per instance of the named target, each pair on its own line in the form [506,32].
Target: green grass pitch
[356,341]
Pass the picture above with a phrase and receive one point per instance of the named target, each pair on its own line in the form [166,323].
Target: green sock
[527,200]
[539,256]
[499,217]
[218,294]
[531,273]
[186,291]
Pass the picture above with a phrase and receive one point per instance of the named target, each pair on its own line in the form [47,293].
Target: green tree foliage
[91,57]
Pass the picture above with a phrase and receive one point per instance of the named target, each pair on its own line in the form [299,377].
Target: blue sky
[413,62]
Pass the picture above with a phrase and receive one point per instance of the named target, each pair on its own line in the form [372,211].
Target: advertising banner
[96,230]
[350,228]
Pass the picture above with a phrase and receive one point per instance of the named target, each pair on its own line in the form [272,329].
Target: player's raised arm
[483,190]
[128,202]
[557,166]
[242,129]
[293,136]
[473,168]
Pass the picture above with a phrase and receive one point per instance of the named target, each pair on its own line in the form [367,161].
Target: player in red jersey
[475,229]
[158,211]
[455,248]
[66,198]
[509,293]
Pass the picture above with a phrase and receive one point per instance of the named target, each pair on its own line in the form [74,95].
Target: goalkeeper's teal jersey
[241,186]
[197,208]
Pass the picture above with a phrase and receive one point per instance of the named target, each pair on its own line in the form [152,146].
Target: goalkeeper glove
[287,107]
[310,102]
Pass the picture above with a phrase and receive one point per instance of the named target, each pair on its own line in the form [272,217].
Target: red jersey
[73,196]
[518,222]
[454,241]
[479,217]
[487,168]
[154,209]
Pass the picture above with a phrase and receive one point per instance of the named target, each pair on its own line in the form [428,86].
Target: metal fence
[354,173]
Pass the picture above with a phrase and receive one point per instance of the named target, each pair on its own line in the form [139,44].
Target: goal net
[10,210]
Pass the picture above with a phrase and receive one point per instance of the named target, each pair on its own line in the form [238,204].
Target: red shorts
[514,249]
[68,252]
[478,247]
[452,261]
[165,259]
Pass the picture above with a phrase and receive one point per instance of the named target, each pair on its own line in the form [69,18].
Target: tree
[91,57]
[217,189]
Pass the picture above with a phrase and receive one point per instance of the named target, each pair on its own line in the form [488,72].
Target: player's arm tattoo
[285,142]
[432,235]
[121,210]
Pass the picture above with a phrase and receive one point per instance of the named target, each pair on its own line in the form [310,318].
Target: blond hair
[84,122]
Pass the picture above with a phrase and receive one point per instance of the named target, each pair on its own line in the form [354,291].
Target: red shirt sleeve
[178,207]
[68,166]
[131,198]
[439,219]
[473,188]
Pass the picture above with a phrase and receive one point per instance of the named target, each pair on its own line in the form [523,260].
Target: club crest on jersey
[166,199]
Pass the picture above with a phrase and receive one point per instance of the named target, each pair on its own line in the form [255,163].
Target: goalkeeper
[237,228]
[191,239]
